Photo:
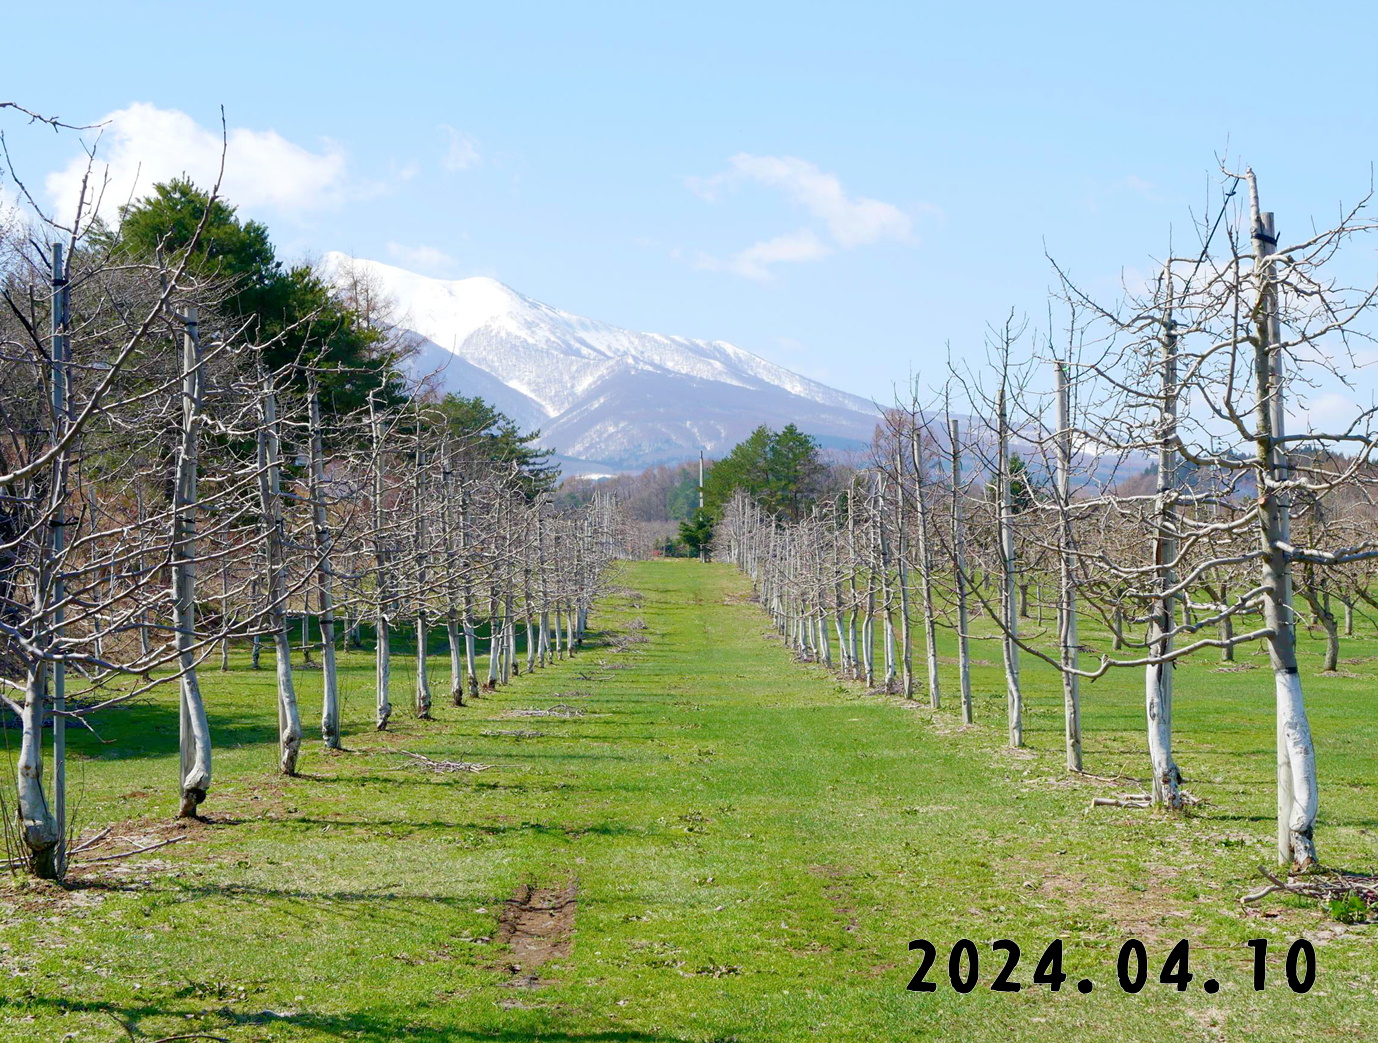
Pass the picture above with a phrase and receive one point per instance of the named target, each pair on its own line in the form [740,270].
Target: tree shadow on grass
[393,778]
[371,1027]
[388,1030]
[149,729]
[382,905]
[492,829]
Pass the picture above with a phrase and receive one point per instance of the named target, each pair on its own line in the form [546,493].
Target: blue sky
[842,188]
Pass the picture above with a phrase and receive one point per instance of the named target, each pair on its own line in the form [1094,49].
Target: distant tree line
[783,470]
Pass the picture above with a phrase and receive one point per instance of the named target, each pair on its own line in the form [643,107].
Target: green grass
[755,845]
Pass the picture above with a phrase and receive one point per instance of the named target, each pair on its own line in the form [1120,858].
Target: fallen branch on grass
[137,851]
[559,710]
[1117,777]
[1140,800]
[1132,800]
[1334,886]
[129,1031]
[91,841]
[447,767]
[17,863]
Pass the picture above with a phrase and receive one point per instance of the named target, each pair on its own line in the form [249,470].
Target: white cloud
[142,145]
[852,220]
[849,221]
[754,262]
[421,257]
[461,150]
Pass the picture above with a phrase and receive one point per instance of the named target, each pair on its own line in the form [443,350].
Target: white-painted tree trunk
[422,577]
[43,824]
[495,637]
[325,594]
[1298,788]
[925,563]
[882,558]
[381,579]
[1167,779]
[470,651]
[1068,642]
[270,496]
[902,563]
[1014,697]
[453,569]
[193,727]
[960,565]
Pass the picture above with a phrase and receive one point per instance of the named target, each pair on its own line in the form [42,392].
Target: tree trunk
[901,559]
[1068,642]
[1326,618]
[270,495]
[382,650]
[1167,779]
[495,640]
[43,826]
[470,652]
[225,614]
[1014,698]
[306,629]
[452,633]
[194,729]
[960,564]
[1227,635]
[39,828]
[423,681]
[930,633]
[887,594]
[325,595]
[1298,796]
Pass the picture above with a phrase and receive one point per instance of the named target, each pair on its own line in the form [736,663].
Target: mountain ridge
[602,395]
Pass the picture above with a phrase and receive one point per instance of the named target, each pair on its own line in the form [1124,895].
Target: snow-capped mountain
[604,397]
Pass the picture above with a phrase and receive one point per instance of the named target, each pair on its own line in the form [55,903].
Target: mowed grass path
[754,843]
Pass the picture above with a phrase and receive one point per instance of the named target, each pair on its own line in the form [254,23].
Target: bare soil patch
[538,924]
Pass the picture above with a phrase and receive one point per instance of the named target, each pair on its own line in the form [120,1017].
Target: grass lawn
[754,844]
